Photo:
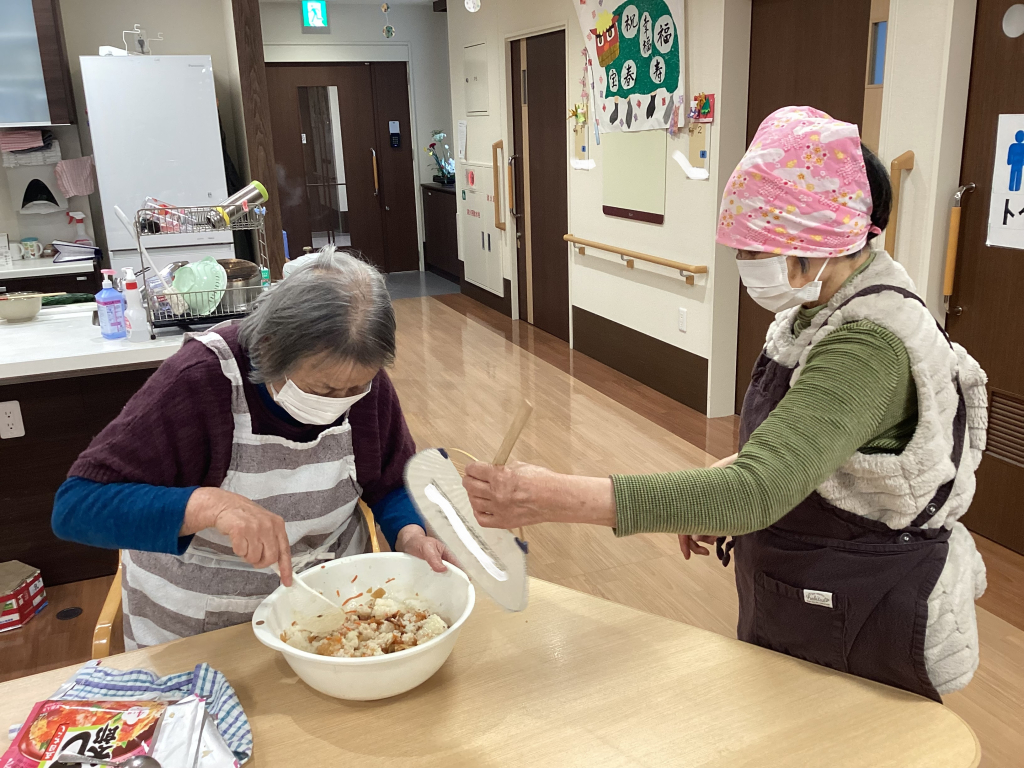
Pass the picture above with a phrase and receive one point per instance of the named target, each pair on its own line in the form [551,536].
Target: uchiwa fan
[494,558]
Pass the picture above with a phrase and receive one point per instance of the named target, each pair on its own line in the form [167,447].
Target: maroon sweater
[176,430]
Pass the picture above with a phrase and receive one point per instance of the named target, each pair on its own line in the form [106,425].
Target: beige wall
[189,27]
[927,74]
[647,298]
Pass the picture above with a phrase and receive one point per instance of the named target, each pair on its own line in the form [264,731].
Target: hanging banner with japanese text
[636,51]
[1006,211]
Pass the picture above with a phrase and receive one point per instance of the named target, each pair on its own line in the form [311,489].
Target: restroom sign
[1006,211]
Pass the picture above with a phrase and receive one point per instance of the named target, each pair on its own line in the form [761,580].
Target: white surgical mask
[314,409]
[767,282]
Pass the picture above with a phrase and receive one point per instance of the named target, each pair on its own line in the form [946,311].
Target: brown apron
[833,587]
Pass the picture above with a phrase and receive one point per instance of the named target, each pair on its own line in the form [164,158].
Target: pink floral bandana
[800,190]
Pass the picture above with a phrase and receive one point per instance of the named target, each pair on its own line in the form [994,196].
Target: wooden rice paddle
[522,416]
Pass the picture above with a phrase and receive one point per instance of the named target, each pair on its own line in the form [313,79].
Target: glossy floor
[461,373]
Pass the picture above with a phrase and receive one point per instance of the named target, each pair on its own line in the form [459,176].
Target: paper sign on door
[1006,211]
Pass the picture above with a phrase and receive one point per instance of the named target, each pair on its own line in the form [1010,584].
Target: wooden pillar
[256,112]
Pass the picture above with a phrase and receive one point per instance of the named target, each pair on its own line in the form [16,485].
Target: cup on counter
[28,248]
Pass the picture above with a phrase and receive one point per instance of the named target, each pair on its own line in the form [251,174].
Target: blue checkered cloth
[103,683]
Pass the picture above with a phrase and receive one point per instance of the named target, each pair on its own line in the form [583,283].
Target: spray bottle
[135,321]
[110,308]
[78,219]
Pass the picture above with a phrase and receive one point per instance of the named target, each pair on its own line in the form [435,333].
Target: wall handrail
[686,270]
[904,162]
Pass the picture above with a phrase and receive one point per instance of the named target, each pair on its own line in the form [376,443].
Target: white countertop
[62,342]
[44,268]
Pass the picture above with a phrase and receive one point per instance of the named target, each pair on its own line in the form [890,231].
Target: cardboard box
[22,595]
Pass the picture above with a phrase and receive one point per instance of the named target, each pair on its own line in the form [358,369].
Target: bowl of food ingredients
[394,624]
[20,306]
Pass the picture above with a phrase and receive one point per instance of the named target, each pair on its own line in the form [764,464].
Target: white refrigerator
[155,133]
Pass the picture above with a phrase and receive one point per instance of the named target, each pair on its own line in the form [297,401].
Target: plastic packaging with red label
[111,730]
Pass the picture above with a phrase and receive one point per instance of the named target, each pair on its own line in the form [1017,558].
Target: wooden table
[571,681]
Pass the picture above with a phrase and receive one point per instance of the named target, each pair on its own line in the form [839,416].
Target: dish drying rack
[177,309]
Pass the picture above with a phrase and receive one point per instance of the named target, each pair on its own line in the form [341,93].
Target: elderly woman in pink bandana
[860,434]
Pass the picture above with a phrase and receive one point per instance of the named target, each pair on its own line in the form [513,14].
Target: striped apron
[311,485]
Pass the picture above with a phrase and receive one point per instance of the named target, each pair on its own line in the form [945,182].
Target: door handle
[376,178]
[954,242]
[512,185]
[496,172]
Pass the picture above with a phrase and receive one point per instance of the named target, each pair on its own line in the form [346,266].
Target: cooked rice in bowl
[366,626]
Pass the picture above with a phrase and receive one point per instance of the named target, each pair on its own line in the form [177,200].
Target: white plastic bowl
[375,677]
[20,306]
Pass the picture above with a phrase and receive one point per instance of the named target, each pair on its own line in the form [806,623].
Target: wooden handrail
[686,270]
[904,162]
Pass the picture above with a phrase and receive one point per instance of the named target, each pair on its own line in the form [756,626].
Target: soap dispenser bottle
[110,308]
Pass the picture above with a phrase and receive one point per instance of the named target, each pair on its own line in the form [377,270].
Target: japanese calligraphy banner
[636,50]
[1006,211]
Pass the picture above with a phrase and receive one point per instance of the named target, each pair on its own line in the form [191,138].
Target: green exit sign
[314,16]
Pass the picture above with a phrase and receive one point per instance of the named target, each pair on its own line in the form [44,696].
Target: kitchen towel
[76,176]
[44,155]
[18,139]
[102,683]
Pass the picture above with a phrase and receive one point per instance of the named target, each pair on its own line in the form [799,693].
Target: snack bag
[111,730]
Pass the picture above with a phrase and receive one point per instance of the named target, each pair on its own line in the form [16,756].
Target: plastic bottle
[110,308]
[135,321]
[78,219]
[237,205]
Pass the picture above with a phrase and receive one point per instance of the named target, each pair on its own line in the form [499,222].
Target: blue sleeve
[394,512]
[121,515]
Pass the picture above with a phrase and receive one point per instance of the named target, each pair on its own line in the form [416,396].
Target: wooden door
[395,164]
[363,196]
[987,315]
[359,138]
[784,36]
[539,135]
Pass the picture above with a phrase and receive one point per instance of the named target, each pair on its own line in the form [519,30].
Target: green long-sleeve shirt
[855,392]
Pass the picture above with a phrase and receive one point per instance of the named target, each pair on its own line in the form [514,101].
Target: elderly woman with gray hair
[250,448]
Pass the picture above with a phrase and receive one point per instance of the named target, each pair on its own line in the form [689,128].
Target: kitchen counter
[572,680]
[69,383]
[44,268]
[62,341]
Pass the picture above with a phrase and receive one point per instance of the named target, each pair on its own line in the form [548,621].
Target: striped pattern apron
[311,485]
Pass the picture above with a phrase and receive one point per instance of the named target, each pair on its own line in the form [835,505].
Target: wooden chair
[111,610]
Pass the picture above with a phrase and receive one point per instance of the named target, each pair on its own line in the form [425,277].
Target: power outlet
[11,423]
[682,320]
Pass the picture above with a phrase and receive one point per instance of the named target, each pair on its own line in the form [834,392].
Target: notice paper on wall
[462,139]
[1006,211]
[634,175]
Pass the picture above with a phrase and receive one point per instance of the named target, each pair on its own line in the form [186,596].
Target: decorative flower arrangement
[443,161]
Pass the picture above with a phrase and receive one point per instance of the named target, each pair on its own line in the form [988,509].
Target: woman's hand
[692,545]
[724,462]
[257,536]
[413,540]
[518,495]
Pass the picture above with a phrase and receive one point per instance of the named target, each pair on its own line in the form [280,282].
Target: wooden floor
[461,372]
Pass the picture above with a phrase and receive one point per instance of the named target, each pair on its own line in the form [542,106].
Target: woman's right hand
[257,536]
[692,544]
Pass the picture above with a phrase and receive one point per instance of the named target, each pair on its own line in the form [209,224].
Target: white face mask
[314,409]
[767,282]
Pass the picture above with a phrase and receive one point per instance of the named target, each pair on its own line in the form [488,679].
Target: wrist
[588,500]
[406,534]
[200,512]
